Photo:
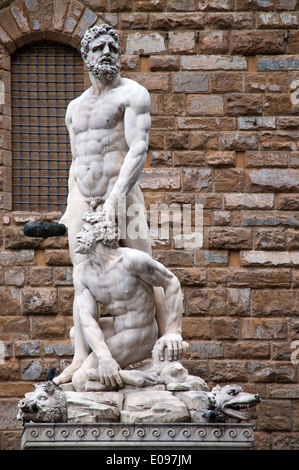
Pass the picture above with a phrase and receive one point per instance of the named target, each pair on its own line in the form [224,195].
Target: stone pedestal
[118,436]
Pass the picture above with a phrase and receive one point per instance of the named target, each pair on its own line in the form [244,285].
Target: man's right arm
[71,179]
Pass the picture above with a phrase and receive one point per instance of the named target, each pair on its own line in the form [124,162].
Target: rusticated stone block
[267,158]
[227,180]
[171,20]
[191,276]
[269,258]
[195,329]
[211,42]
[153,82]
[10,300]
[273,179]
[141,43]
[39,301]
[206,350]
[228,238]
[269,239]
[203,301]
[275,415]
[228,82]
[270,218]
[48,327]
[272,302]
[197,180]
[265,329]
[166,62]
[29,348]
[213,62]
[256,42]
[223,20]
[271,20]
[256,278]
[250,105]
[149,5]
[247,350]
[248,201]
[181,42]
[239,141]
[225,328]
[15,258]
[238,302]
[190,82]
[205,105]
[292,239]
[160,179]
[228,371]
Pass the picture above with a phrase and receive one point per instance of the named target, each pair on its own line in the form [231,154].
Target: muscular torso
[99,145]
[127,298]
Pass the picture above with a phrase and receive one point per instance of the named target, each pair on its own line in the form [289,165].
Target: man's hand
[109,373]
[175,345]
[109,210]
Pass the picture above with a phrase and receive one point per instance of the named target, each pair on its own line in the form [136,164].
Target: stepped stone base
[118,436]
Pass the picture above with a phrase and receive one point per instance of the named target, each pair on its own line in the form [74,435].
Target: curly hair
[94,33]
[104,230]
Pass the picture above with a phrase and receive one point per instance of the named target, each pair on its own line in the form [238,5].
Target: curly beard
[104,71]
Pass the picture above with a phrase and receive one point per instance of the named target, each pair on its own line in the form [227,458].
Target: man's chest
[98,114]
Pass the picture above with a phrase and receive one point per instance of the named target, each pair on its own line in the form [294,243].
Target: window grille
[45,77]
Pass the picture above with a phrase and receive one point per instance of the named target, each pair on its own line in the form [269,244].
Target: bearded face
[103,58]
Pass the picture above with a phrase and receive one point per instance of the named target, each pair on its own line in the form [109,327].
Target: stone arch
[25,21]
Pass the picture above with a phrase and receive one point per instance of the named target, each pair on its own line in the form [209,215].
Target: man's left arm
[154,273]
[137,124]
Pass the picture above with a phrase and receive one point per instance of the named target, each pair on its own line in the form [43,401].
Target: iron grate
[45,77]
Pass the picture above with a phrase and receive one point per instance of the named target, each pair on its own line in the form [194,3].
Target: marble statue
[122,279]
[49,403]
[109,128]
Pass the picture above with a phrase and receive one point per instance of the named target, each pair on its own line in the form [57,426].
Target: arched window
[45,77]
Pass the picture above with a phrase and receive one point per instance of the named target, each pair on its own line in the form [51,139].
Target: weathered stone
[269,218]
[206,302]
[206,105]
[239,141]
[274,302]
[256,278]
[228,82]
[190,82]
[157,179]
[269,239]
[267,158]
[29,348]
[173,20]
[39,301]
[238,302]
[140,43]
[261,328]
[48,327]
[197,179]
[206,350]
[277,20]
[248,201]
[275,415]
[211,42]
[183,42]
[228,238]
[149,407]
[228,371]
[213,62]
[10,300]
[256,42]
[231,179]
[268,258]
[191,276]
[225,328]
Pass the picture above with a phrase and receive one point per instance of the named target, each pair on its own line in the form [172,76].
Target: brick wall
[224,134]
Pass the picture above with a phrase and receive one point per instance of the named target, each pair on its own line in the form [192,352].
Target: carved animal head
[232,402]
[46,404]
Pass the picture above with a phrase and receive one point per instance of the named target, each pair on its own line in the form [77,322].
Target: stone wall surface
[222,78]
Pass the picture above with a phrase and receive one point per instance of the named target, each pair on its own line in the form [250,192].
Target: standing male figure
[109,132]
